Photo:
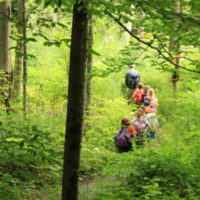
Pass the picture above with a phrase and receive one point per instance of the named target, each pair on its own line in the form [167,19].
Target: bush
[29,156]
[163,172]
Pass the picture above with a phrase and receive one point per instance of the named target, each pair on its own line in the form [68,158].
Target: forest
[63,96]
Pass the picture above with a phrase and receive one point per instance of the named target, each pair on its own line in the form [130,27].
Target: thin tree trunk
[175,75]
[139,30]
[5,56]
[175,49]
[19,51]
[24,60]
[88,88]
[75,107]
[129,26]
[89,67]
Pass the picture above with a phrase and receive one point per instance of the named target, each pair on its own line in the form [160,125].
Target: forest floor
[46,193]
[86,188]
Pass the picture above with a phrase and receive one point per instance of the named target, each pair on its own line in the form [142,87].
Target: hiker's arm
[133,96]
[156,102]
[147,124]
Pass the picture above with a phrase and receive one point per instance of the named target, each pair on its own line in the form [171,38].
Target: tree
[24,48]
[89,65]
[174,46]
[5,56]
[157,22]
[75,107]
[19,47]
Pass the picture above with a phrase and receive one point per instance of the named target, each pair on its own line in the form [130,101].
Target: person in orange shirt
[147,107]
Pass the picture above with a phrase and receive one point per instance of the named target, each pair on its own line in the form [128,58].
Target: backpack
[140,126]
[138,97]
[153,121]
[122,141]
[131,81]
[148,109]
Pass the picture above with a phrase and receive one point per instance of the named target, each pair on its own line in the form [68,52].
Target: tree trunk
[19,51]
[88,88]
[89,66]
[75,107]
[175,49]
[24,58]
[129,26]
[5,56]
[175,76]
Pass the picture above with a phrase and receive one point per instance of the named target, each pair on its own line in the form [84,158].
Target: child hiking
[147,108]
[124,136]
[137,95]
[153,99]
[146,88]
[140,124]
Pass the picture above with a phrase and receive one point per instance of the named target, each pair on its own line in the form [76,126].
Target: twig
[197,61]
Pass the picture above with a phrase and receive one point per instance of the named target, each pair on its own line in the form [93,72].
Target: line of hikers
[144,124]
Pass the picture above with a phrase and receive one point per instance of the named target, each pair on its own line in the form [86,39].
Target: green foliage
[31,150]
[167,168]
[162,172]
[98,142]
[29,156]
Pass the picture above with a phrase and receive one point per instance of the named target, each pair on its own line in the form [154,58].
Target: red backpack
[138,96]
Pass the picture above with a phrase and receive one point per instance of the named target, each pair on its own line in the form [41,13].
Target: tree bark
[24,59]
[19,51]
[88,94]
[175,76]
[75,107]
[5,55]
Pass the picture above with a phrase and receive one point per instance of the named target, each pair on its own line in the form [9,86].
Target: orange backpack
[148,109]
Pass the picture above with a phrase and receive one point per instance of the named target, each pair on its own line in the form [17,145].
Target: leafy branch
[148,43]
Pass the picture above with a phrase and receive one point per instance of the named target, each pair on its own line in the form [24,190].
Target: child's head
[150,93]
[146,88]
[140,86]
[146,102]
[139,113]
[125,121]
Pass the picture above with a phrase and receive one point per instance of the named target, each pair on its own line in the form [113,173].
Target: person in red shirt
[138,94]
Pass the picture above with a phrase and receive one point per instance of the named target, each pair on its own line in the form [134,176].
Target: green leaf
[22,144]
[30,40]
[47,3]
[59,3]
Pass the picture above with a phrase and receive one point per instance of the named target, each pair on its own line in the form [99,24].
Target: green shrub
[161,172]
[30,155]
